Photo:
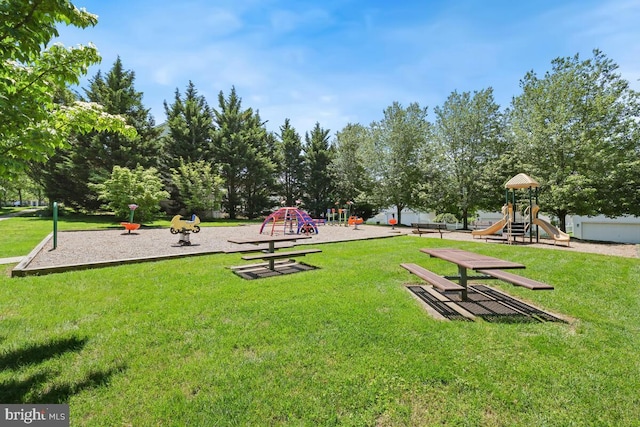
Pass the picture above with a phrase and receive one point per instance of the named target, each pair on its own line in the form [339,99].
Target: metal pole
[537,228]
[530,215]
[55,225]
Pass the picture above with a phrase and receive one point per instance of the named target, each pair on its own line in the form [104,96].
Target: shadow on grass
[40,352]
[40,387]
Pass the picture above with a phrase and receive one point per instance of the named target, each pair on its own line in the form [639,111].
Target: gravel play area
[108,247]
[80,249]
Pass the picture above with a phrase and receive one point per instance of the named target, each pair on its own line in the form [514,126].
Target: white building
[409,216]
[623,229]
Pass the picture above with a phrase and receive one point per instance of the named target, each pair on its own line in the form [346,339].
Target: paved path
[18,213]
[13,260]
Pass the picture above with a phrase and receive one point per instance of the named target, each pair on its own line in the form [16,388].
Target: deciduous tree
[468,132]
[348,172]
[577,133]
[395,155]
[32,124]
[139,186]
[200,188]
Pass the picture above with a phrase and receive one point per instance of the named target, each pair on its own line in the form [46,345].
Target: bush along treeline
[575,129]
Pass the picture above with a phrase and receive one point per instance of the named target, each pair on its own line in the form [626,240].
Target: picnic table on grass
[271,254]
[487,267]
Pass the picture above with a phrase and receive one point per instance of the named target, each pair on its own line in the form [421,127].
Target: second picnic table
[489,267]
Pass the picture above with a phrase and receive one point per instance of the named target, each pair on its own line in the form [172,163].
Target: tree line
[574,129]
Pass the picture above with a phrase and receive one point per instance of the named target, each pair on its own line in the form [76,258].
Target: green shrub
[447,218]
[140,186]
[199,187]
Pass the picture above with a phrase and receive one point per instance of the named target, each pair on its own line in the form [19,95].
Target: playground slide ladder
[517,228]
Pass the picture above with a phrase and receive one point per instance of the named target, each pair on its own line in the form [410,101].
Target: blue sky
[336,62]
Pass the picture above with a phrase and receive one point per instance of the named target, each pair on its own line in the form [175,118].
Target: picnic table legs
[272,262]
[462,272]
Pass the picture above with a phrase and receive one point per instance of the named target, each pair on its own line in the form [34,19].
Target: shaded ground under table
[482,302]
[261,271]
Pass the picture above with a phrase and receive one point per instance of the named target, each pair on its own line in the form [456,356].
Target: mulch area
[86,249]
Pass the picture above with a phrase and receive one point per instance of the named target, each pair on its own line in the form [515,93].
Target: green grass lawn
[186,342]
[19,235]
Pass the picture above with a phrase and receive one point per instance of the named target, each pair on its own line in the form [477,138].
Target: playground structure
[184,227]
[355,221]
[131,226]
[339,216]
[342,217]
[499,225]
[289,220]
[393,221]
[513,224]
[554,232]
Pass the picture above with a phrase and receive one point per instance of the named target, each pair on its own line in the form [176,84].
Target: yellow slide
[491,230]
[554,232]
[498,226]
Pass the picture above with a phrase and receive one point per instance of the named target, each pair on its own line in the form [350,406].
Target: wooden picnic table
[466,260]
[271,240]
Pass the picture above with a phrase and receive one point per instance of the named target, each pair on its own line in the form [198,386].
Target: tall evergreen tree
[187,140]
[291,162]
[189,128]
[241,148]
[318,187]
[117,93]
[260,180]
[91,157]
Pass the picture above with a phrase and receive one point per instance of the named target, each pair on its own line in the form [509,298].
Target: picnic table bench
[432,278]
[430,227]
[275,255]
[514,279]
